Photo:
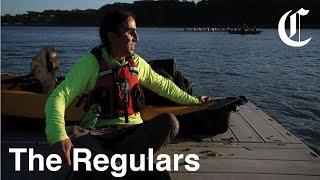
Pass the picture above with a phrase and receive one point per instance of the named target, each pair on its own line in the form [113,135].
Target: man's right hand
[64,149]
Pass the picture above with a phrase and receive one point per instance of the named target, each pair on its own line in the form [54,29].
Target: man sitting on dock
[112,74]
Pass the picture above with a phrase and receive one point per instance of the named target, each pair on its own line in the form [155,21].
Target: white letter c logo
[282,31]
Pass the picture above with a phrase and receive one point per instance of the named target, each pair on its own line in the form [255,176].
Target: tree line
[206,13]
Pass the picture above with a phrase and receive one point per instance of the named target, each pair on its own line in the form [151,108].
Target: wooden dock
[254,147]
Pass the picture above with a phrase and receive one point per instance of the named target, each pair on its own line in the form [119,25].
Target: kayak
[25,104]
[208,118]
[19,103]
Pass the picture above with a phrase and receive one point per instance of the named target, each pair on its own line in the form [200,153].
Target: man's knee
[170,122]
[174,123]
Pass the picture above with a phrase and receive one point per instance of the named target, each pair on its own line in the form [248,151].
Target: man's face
[124,45]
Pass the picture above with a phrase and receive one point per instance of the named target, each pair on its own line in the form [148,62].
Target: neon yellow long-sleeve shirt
[82,78]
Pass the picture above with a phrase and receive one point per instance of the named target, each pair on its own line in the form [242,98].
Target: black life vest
[117,91]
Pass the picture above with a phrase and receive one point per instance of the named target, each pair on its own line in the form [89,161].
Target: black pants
[127,139]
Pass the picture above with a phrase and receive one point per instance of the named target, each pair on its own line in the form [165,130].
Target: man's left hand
[204,99]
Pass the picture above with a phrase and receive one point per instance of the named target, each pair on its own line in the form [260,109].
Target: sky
[14,7]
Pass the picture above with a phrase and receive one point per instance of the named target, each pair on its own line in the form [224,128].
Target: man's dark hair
[112,21]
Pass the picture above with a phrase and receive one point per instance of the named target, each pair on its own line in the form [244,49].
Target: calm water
[283,81]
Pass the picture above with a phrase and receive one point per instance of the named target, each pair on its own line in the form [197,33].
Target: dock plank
[227,137]
[263,128]
[274,124]
[257,166]
[244,153]
[242,130]
[239,176]
[188,142]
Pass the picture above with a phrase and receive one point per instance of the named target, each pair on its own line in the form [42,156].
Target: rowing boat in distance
[244,31]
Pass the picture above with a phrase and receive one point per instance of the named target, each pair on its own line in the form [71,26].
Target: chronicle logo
[293,28]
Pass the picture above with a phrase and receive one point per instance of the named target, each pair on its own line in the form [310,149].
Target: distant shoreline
[178,14]
[15,25]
